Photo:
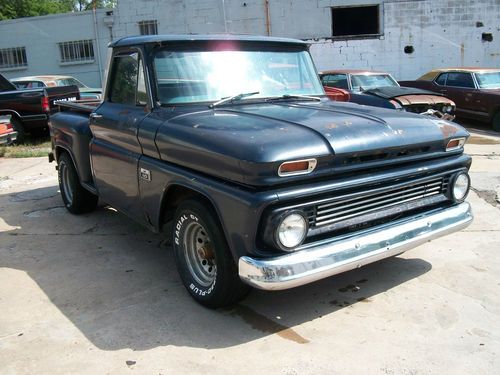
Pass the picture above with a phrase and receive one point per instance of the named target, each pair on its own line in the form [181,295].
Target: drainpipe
[96,32]
[224,15]
[268,17]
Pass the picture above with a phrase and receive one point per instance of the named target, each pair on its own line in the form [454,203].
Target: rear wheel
[19,128]
[77,199]
[496,122]
[203,259]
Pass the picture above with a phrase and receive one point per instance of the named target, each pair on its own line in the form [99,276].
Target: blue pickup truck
[229,145]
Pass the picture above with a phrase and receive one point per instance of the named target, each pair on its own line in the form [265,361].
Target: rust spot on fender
[331,126]
[447,130]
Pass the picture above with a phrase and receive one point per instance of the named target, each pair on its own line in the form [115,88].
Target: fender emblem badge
[145,174]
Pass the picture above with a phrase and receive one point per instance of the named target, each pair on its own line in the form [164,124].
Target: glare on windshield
[202,76]
[489,80]
[371,81]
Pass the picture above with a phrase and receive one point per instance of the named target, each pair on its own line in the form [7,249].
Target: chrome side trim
[330,257]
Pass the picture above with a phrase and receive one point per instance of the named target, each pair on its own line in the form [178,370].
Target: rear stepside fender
[71,133]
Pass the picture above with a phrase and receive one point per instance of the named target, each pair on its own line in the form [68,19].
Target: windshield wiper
[234,98]
[287,96]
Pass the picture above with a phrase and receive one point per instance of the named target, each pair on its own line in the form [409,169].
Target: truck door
[115,149]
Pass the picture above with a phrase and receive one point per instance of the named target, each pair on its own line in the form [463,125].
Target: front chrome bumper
[352,251]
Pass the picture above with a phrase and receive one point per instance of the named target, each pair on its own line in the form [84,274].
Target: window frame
[109,83]
[14,53]
[347,78]
[380,21]
[461,87]
[74,47]
[438,76]
[148,24]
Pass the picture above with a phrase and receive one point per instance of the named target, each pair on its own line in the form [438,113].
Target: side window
[127,80]
[324,80]
[441,80]
[339,81]
[460,80]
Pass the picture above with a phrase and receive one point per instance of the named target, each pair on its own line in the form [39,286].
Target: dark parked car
[57,81]
[30,109]
[476,91]
[381,90]
[257,177]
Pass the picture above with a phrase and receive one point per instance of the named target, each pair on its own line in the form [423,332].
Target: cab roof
[143,39]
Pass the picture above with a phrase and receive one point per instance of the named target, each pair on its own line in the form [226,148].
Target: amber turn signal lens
[297,167]
[454,144]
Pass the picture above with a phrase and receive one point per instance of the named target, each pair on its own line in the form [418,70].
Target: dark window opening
[356,21]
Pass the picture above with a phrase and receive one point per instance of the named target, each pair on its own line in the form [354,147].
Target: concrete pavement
[100,294]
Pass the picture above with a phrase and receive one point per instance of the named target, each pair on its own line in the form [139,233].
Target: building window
[76,51]
[148,27]
[13,58]
[356,21]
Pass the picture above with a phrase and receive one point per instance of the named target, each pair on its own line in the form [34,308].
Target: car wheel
[203,259]
[496,122]
[77,199]
[19,128]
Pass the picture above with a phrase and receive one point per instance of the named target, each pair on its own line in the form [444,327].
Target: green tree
[10,9]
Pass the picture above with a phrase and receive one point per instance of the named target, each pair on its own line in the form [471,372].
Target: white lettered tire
[203,259]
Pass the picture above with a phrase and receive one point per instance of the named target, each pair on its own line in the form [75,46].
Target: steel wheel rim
[68,193]
[199,254]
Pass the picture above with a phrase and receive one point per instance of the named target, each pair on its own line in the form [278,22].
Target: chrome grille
[344,208]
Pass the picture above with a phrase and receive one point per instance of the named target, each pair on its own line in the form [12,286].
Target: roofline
[143,39]
[353,72]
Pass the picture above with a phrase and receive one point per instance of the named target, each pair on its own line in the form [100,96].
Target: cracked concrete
[99,294]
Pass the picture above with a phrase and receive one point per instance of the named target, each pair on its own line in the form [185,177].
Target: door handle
[95,116]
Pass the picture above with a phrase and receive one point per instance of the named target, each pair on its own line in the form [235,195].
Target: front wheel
[76,198]
[203,259]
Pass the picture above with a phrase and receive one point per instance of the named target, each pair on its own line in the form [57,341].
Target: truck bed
[83,105]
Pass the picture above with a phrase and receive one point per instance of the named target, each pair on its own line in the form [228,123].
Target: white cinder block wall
[441,32]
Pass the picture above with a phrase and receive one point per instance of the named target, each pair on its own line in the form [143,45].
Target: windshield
[187,77]
[70,82]
[488,80]
[371,81]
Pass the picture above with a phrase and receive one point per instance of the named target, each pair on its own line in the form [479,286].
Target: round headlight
[461,186]
[292,231]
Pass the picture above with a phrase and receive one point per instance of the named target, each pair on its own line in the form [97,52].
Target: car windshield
[202,76]
[70,82]
[371,81]
[489,80]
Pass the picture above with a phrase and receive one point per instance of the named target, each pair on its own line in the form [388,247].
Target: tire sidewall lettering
[183,219]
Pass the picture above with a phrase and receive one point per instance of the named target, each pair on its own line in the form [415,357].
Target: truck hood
[246,143]
[391,92]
